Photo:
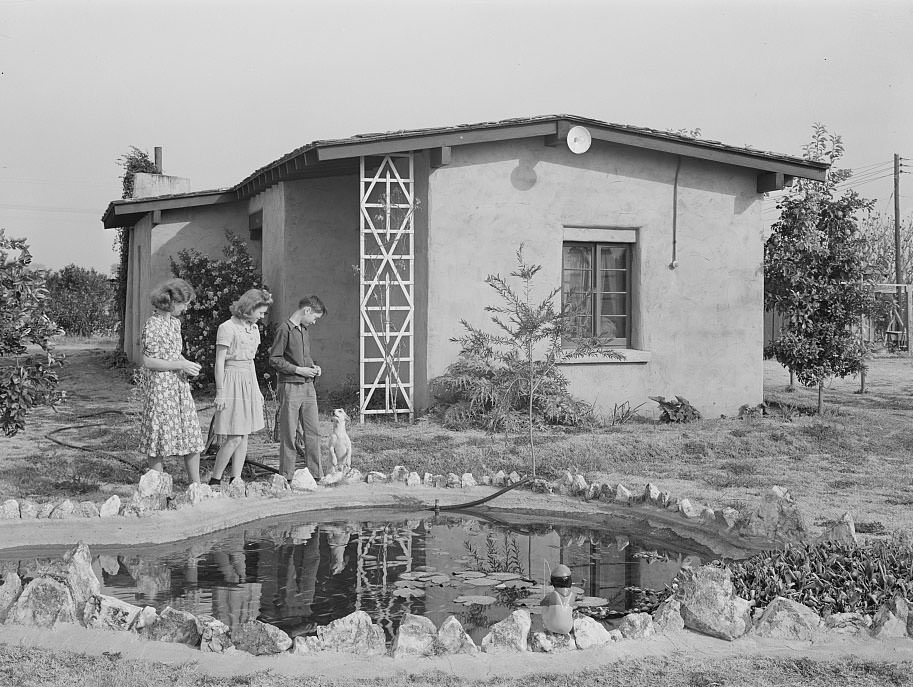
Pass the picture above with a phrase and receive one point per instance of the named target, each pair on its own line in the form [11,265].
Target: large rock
[88,509]
[399,474]
[110,507]
[510,634]
[44,602]
[74,569]
[709,604]
[622,494]
[787,619]
[578,485]
[843,532]
[415,637]
[637,626]
[63,511]
[9,592]
[154,483]
[175,626]
[28,510]
[467,480]
[353,476]
[237,489]
[413,480]
[891,620]
[9,510]
[551,643]
[278,485]
[652,494]
[353,634]
[847,623]
[332,478]
[375,476]
[776,518]
[589,633]
[498,479]
[453,639]
[453,480]
[306,645]
[110,613]
[260,639]
[45,510]
[667,618]
[215,636]
[728,517]
[303,480]
[690,509]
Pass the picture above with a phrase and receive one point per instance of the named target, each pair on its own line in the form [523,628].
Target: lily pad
[480,581]
[469,573]
[515,584]
[437,579]
[505,575]
[409,584]
[410,576]
[592,601]
[408,592]
[425,568]
[471,600]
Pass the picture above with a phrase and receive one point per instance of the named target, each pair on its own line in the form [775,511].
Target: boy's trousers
[298,406]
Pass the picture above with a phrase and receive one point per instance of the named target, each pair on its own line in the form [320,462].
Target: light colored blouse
[242,339]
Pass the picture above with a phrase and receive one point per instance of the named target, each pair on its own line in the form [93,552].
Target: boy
[290,356]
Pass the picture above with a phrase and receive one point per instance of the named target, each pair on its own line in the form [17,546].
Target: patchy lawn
[46,668]
[856,457]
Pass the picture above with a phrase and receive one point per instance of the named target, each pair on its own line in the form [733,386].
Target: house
[655,239]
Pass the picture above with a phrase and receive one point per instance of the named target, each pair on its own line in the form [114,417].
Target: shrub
[218,283]
[82,301]
[829,577]
[677,410]
[26,381]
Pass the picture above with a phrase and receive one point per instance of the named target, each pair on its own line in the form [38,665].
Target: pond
[298,574]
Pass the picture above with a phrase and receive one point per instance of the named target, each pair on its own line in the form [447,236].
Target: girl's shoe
[213,482]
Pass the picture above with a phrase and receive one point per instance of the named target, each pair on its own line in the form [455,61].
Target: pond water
[299,575]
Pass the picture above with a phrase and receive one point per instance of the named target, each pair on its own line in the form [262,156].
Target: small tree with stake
[521,361]
[815,274]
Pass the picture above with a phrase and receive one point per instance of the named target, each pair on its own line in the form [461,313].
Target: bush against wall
[81,301]
[135,161]
[26,380]
[218,283]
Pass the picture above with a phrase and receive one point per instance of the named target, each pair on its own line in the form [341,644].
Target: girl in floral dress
[239,403]
[169,425]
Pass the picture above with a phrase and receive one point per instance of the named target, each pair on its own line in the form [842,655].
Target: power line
[49,208]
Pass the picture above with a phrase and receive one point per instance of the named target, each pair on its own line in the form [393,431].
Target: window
[596,290]
[255,225]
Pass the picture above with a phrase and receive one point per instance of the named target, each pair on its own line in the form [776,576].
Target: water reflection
[299,576]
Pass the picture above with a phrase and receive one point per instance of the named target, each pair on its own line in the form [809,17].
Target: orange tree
[816,276]
[27,379]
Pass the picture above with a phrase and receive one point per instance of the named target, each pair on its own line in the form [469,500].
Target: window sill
[630,356]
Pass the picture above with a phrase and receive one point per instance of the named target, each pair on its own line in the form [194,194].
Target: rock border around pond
[776,519]
[68,591]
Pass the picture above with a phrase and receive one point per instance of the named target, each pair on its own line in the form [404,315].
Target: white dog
[340,444]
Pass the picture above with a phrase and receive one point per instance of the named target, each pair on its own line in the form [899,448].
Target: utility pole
[903,294]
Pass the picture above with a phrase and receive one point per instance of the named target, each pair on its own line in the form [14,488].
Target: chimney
[158,159]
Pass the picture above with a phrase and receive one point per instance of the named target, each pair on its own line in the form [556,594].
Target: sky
[227,87]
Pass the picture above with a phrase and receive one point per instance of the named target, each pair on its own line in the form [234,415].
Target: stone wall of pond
[68,591]
[775,519]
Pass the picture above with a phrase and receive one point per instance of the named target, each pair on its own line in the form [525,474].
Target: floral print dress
[169,426]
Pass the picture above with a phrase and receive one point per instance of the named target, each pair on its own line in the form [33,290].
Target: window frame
[617,342]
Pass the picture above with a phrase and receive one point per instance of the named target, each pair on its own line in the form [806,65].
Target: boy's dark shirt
[291,348]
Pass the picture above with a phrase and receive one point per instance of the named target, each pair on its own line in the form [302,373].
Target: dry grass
[854,458]
[45,668]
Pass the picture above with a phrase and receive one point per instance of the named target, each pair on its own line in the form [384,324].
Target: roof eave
[127,212]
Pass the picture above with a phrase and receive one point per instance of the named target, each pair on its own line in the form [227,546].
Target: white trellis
[387,276]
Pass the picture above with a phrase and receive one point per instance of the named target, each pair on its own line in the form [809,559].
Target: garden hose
[252,463]
[462,506]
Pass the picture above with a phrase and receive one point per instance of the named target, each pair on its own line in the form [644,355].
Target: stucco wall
[139,285]
[201,228]
[272,203]
[701,323]
[321,246]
